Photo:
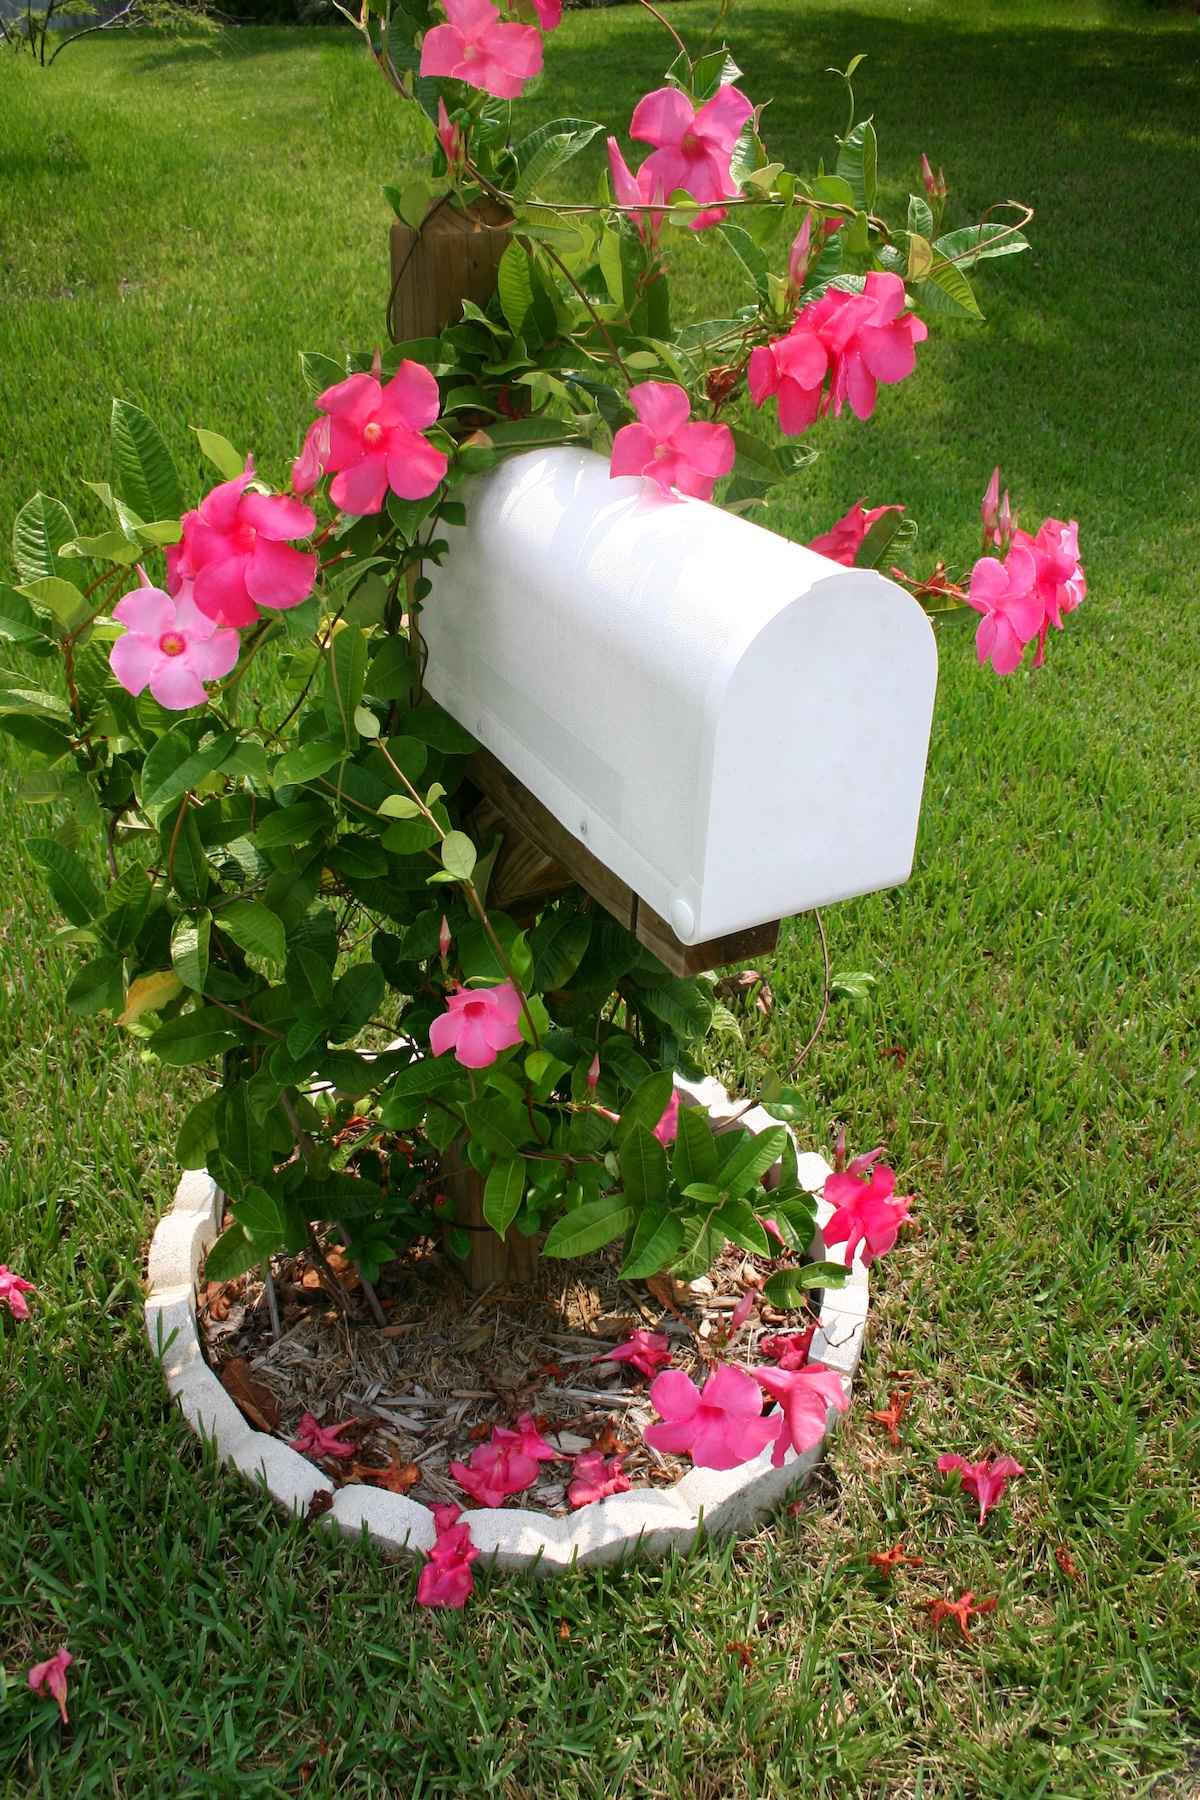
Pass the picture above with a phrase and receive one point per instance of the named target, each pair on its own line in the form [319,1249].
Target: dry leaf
[397,1478]
[608,1443]
[564,1631]
[252,1398]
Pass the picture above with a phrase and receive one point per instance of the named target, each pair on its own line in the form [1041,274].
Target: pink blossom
[668,1126]
[986,1479]
[449,136]
[549,13]
[634,190]
[373,439]
[13,1289]
[506,1464]
[446,1579]
[1006,594]
[864,338]
[794,367]
[594,1479]
[477,48]
[646,1350]
[52,1674]
[841,544]
[805,1396]
[1061,584]
[864,1211]
[789,1349]
[693,148]
[665,447]
[480,1023]
[316,1440]
[169,646]
[235,553]
[721,1426]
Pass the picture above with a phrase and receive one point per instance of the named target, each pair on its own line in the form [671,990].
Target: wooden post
[509,1261]
[454,257]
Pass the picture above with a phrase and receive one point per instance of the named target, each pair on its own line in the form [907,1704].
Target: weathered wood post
[454,257]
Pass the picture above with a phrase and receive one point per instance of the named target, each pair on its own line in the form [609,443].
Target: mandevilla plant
[232,724]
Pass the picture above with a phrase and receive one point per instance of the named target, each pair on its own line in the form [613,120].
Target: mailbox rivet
[583,827]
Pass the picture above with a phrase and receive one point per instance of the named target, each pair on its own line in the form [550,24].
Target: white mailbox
[735,726]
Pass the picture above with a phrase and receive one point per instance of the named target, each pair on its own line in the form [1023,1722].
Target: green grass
[174,227]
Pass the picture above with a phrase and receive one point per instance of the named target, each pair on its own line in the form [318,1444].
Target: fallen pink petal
[594,1479]
[13,1289]
[52,1675]
[447,1578]
[319,1440]
[646,1350]
[986,1479]
[805,1396]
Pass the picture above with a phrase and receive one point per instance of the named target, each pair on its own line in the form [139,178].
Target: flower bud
[927,177]
[444,939]
[593,1074]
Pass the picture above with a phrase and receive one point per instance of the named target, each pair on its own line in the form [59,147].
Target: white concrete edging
[722,1502]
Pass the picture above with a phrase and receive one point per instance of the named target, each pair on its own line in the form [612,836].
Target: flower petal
[278,576]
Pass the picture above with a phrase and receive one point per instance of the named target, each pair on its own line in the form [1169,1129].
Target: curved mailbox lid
[657,671]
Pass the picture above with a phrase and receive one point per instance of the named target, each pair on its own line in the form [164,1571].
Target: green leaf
[195,1036]
[220,452]
[856,165]
[646,1105]
[146,478]
[430,725]
[17,622]
[99,986]
[947,290]
[974,243]
[878,541]
[578,132]
[306,762]
[514,285]
[127,902]
[40,530]
[656,1240]
[319,372]
[499,1125]
[60,597]
[297,824]
[681,1007]
[788,1289]
[503,1193]
[189,949]
[790,1106]
[752,259]
[736,1219]
[920,217]
[260,1217]
[644,1175]
[189,866]
[695,1155]
[309,983]
[231,1255]
[558,945]
[174,765]
[198,1134]
[851,984]
[752,1159]
[243,1139]
[589,1227]
[254,928]
[458,855]
[74,891]
[345,670]
[355,999]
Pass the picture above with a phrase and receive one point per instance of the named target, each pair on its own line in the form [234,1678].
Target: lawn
[175,225]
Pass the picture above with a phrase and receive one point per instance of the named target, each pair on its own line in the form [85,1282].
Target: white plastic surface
[735,726]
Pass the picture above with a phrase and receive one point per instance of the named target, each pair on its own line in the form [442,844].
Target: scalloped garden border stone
[722,1501]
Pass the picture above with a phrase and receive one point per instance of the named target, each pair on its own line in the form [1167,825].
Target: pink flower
[864,1211]
[596,1480]
[593,1074]
[1006,594]
[805,1396]
[506,1464]
[646,1350]
[794,367]
[1061,584]
[169,646]
[549,13]
[986,1479]
[446,1579]
[53,1675]
[449,136]
[742,1310]
[13,1289]
[693,148]
[865,338]
[841,544]
[477,48]
[633,190]
[721,1426]
[235,553]
[316,1440]
[373,438]
[480,1023]
[789,1349]
[666,448]
[668,1126]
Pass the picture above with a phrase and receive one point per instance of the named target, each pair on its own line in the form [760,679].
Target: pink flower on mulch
[789,1349]
[720,1427]
[864,1211]
[1007,596]
[841,544]
[646,1350]
[693,146]
[169,646]
[52,1674]
[636,190]
[667,1128]
[476,47]
[986,1479]
[447,1578]
[667,446]
[506,1464]
[479,1024]
[13,1289]
[317,1441]
[805,1396]
[594,1479]
[373,440]
[236,553]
